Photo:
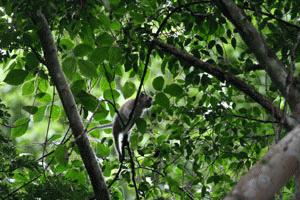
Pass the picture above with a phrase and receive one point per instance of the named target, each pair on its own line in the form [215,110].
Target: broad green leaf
[15,77]
[141,125]
[43,85]
[28,88]
[82,50]
[162,99]
[69,67]
[87,68]
[174,89]
[31,61]
[20,127]
[30,109]
[78,86]
[158,83]
[66,43]
[105,40]
[61,155]
[101,113]
[99,55]
[39,115]
[115,55]
[102,150]
[56,110]
[128,89]
[89,101]
[108,94]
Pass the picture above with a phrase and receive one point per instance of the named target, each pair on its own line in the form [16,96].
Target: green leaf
[99,55]
[28,88]
[87,68]
[55,114]
[69,66]
[158,83]
[101,113]
[141,125]
[43,85]
[219,49]
[61,155]
[88,101]
[31,61]
[102,150]
[162,100]
[16,77]
[20,127]
[39,115]
[233,43]
[82,50]
[30,109]
[104,21]
[174,89]
[66,43]
[211,44]
[128,89]
[108,94]
[115,55]
[78,86]
[105,40]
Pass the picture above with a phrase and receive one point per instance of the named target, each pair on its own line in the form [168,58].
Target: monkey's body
[119,124]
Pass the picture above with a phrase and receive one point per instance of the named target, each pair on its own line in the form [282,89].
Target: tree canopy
[223,75]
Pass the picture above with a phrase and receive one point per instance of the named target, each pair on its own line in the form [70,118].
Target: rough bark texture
[265,56]
[272,172]
[67,99]
[222,76]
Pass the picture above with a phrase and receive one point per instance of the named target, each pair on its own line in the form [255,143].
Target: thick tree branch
[56,73]
[272,172]
[224,76]
[265,56]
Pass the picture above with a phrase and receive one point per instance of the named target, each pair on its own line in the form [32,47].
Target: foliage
[197,139]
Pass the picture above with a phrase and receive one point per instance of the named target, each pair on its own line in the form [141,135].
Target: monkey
[121,126]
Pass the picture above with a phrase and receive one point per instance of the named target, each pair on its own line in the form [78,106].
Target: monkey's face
[145,100]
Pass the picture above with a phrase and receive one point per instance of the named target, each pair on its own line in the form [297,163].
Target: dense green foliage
[197,139]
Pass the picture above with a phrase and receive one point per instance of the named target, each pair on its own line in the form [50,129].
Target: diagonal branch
[57,75]
[265,56]
[223,76]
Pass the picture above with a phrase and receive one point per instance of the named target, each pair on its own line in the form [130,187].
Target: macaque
[119,127]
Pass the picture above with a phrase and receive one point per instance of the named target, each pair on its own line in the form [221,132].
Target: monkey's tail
[117,144]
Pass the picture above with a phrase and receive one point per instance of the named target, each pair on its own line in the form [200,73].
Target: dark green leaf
[15,77]
[82,50]
[141,125]
[158,83]
[162,100]
[87,68]
[128,89]
[20,127]
[174,89]
[30,109]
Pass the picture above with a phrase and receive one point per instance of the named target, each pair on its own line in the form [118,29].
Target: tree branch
[272,172]
[224,76]
[265,56]
[56,73]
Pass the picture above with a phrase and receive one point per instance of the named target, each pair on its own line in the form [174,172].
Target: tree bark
[272,172]
[265,56]
[225,76]
[67,99]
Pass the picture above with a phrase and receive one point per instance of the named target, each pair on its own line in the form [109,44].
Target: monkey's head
[145,100]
